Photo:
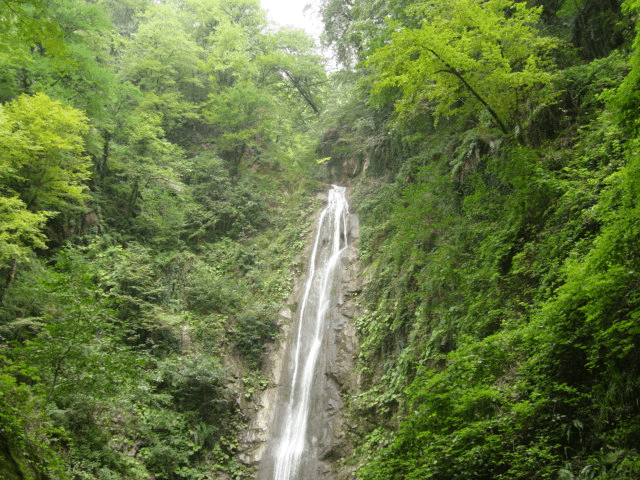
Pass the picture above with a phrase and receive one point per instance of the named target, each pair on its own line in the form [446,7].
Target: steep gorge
[319,311]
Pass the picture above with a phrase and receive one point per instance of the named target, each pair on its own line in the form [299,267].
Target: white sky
[290,12]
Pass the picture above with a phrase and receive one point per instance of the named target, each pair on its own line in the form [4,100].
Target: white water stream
[291,442]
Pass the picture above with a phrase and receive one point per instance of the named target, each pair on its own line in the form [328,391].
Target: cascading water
[292,446]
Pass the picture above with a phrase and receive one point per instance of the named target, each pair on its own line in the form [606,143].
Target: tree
[238,115]
[238,106]
[355,28]
[20,230]
[161,57]
[60,48]
[83,77]
[26,28]
[469,58]
[291,65]
[626,100]
[43,147]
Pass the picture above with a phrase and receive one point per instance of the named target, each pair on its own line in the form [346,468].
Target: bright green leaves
[60,48]
[356,28]
[162,278]
[626,100]
[44,149]
[260,87]
[599,299]
[42,167]
[230,59]
[468,58]
[239,115]
[26,27]
[166,65]
[160,56]
[291,67]
[29,449]
[461,420]
[20,230]
[504,291]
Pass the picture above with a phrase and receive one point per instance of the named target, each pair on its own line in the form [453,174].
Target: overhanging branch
[303,92]
[453,71]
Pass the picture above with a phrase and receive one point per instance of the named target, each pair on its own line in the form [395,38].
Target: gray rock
[334,375]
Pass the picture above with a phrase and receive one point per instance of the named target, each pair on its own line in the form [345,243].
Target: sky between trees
[292,12]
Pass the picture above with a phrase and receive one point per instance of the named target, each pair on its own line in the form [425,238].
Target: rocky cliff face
[334,377]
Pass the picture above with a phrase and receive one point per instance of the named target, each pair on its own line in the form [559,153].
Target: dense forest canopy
[158,165]
[154,176]
[501,235]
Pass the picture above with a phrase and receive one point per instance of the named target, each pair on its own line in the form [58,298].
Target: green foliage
[160,55]
[236,113]
[43,150]
[254,330]
[468,58]
[223,208]
[20,230]
[145,150]
[29,440]
[26,27]
[500,337]
[354,29]
[128,341]
[625,102]
[289,64]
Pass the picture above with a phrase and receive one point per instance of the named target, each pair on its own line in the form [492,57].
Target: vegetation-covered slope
[500,228]
[155,164]
[154,200]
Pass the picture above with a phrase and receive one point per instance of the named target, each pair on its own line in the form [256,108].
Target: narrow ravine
[299,430]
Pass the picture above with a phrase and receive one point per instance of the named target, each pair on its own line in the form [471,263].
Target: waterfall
[291,444]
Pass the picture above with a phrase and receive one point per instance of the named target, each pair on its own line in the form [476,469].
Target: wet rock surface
[334,376]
